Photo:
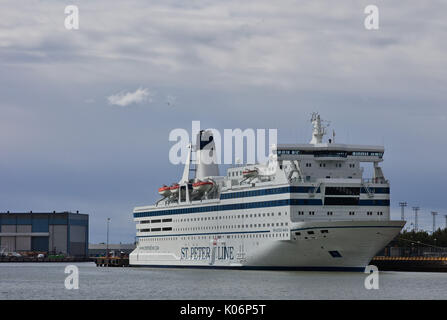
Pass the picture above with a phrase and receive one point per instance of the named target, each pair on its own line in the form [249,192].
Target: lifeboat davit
[164,191]
[202,186]
[250,173]
[174,188]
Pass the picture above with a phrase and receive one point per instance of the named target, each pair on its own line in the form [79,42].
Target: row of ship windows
[226,217]
[331,213]
[240,226]
[230,236]
[330,153]
[156,229]
[310,232]
[370,213]
[156,221]
[337,165]
[251,215]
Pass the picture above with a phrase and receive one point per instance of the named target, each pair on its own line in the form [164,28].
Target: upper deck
[326,151]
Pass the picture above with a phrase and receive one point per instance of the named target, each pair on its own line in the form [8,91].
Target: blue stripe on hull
[273,268]
[252,205]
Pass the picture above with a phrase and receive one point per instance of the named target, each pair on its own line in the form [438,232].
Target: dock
[418,264]
[112,261]
[46,259]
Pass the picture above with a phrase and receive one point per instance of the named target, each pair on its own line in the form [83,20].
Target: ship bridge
[329,151]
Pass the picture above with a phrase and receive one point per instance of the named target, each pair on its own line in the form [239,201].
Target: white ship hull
[352,243]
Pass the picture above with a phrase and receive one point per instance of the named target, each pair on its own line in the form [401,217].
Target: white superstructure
[308,207]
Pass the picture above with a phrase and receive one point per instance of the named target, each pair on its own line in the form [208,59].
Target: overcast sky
[85,114]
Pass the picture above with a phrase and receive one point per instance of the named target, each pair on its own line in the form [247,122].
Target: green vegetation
[438,238]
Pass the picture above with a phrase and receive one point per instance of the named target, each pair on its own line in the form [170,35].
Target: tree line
[420,238]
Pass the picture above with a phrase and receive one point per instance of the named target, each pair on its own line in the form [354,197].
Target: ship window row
[342,191]
[233,216]
[326,153]
[235,226]
[367,154]
[156,229]
[156,221]
[264,192]
[311,232]
[295,189]
[255,215]
[331,213]
[230,236]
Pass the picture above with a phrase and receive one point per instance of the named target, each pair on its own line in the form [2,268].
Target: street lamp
[402,210]
[434,214]
[416,209]
[107,246]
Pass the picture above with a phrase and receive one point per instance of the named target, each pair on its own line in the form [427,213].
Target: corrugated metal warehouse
[54,233]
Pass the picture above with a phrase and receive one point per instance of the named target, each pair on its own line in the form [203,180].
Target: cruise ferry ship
[307,208]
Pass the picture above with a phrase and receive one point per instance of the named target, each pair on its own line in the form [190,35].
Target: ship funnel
[206,162]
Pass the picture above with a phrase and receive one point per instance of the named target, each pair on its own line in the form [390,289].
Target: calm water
[46,281]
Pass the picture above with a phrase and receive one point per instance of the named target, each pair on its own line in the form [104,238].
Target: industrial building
[52,233]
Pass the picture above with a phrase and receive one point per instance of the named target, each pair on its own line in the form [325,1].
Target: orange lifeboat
[202,186]
[164,191]
[174,188]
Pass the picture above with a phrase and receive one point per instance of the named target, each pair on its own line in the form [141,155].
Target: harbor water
[47,281]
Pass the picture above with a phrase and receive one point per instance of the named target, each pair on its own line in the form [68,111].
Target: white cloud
[124,99]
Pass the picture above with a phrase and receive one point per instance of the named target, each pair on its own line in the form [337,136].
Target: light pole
[416,209]
[445,216]
[402,210]
[434,214]
[107,246]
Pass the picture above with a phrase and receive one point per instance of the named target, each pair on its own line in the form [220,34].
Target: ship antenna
[319,129]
